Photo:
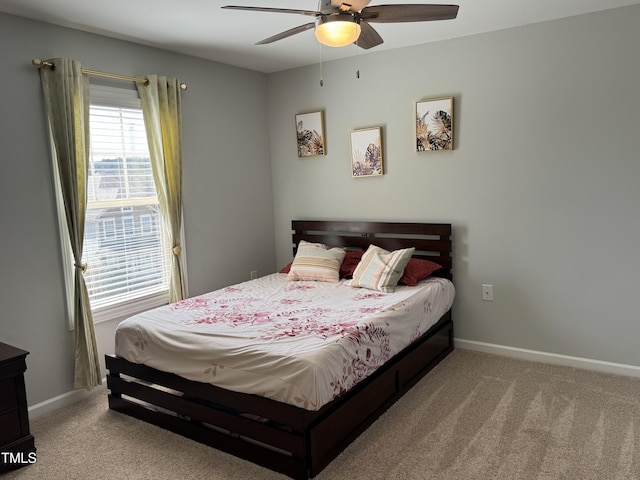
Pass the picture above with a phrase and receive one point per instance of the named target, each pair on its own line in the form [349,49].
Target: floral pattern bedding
[301,343]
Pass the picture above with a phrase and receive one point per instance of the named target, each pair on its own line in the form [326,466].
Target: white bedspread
[302,343]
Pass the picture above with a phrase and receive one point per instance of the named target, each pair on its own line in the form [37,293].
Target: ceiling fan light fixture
[337,30]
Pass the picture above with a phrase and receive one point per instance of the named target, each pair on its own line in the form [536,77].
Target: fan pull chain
[357,68]
[321,79]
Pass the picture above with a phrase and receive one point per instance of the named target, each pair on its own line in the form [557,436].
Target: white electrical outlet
[487,292]
[253,274]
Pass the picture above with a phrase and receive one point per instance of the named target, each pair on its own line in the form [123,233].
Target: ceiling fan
[338,23]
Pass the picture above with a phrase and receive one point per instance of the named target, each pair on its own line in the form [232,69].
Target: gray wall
[227,186]
[542,187]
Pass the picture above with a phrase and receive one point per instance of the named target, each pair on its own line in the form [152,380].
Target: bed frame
[296,442]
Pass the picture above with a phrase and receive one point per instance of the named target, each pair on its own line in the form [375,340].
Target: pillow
[313,261]
[418,269]
[380,269]
[286,268]
[350,262]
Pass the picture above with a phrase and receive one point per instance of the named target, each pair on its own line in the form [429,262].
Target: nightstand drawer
[9,398]
[10,427]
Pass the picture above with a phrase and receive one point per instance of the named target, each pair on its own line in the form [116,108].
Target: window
[127,226]
[126,252]
[146,224]
[108,229]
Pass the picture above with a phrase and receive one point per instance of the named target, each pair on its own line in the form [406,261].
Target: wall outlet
[487,292]
[253,274]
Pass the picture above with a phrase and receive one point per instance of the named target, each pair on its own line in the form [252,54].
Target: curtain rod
[44,64]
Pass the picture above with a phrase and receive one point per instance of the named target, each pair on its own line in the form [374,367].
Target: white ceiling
[202,29]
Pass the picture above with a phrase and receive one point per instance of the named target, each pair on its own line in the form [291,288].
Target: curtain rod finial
[38,63]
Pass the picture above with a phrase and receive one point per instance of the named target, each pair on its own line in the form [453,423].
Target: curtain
[162,114]
[66,95]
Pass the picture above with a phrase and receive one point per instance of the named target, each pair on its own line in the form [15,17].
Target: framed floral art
[310,134]
[434,124]
[366,152]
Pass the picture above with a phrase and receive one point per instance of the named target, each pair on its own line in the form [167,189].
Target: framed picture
[434,124]
[366,152]
[310,134]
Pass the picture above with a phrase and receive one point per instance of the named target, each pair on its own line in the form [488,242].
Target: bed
[300,431]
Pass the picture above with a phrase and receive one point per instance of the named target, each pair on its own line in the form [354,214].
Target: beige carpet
[475,416]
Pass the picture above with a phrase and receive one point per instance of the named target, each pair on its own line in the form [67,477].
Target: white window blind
[125,248]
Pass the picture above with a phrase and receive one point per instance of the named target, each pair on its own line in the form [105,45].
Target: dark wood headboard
[431,240]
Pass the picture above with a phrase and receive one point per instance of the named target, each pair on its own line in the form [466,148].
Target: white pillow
[380,269]
[314,261]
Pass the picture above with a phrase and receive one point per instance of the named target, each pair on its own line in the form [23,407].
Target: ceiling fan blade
[368,36]
[311,13]
[288,33]
[409,13]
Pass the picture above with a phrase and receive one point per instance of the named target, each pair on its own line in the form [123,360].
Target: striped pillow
[314,261]
[380,269]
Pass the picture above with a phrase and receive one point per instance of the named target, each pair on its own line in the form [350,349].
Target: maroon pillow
[350,262]
[286,268]
[416,270]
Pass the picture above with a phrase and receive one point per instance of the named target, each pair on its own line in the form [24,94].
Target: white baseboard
[552,358]
[63,400]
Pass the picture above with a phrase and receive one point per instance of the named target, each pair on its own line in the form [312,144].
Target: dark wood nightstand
[17,446]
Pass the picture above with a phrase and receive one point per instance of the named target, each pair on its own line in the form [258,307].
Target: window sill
[124,310]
